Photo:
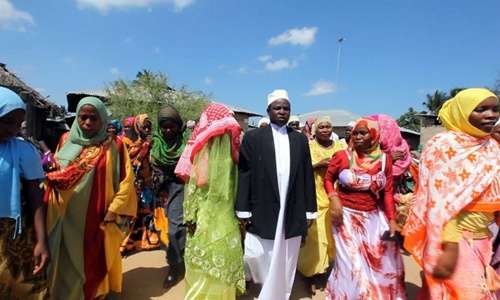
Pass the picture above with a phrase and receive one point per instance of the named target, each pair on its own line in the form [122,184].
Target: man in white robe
[276,199]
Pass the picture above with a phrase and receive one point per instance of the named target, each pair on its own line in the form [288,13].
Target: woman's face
[361,138]
[146,129]
[324,131]
[10,124]
[485,115]
[89,120]
[111,130]
[169,129]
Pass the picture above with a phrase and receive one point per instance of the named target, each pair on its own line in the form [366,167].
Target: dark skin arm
[322,164]
[41,255]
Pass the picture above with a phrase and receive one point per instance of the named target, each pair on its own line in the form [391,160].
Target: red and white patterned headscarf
[216,120]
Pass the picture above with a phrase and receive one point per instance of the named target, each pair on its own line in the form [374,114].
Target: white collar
[279,129]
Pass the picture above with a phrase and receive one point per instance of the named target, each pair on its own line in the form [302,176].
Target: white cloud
[280,64]
[103,6]
[243,70]
[322,87]
[114,71]
[179,5]
[296,36]
[264,58]
[156,50]
[12,17]
[68,60]
[208,81]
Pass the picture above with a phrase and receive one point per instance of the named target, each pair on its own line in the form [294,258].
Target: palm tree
[435,101]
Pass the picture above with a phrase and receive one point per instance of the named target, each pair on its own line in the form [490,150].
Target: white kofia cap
[277,95]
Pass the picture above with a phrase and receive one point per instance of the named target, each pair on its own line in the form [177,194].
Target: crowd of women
[113,187]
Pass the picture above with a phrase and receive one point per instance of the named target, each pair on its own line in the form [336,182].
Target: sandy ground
[144,273]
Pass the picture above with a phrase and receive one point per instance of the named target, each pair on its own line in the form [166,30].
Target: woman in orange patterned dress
[447,229]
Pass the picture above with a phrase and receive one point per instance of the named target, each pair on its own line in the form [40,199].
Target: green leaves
[148,92]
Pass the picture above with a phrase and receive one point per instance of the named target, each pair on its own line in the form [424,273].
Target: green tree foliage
[410,120]
[434,101]
[148,92]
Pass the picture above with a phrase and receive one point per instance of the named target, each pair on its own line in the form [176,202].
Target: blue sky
[238,51]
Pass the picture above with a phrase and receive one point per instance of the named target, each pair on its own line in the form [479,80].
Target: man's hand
[310,222]
[191,227]
[41,256]
[244,222]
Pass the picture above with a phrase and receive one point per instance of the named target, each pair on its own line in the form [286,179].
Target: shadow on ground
[147,284]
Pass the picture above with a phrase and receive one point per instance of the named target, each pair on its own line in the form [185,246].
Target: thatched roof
[29,95]
[75,97]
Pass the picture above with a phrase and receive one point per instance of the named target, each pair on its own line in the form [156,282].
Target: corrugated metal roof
[339,117]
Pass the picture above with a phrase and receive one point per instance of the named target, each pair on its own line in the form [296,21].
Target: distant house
[429,127]
[411,137]
[242,116]
[45,120]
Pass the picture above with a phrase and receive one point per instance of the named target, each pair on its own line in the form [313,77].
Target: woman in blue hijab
[24,252]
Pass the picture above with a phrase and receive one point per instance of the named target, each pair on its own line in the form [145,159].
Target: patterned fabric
[214,251]
[367,161]
[455,112]
[365,267]
[319,249]
[17,281]
[64,179]
[391,141]
[85,257]
[215,120]
[458,172]
[469,276]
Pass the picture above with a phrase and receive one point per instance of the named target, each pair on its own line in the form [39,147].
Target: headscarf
[392,141]
[167,153]
[10,206]
[456,111]
[117,125]
[77,139]
[323,119]
[139,123]
[458,172]
[369,160]
[9,101]
[216,120]
[263,121]
[129,122]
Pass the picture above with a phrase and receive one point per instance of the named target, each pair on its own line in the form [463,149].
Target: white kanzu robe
[272,263]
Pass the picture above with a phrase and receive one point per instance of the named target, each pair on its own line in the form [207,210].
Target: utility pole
[339,51]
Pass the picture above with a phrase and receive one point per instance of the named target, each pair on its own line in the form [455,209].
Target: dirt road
[144,273]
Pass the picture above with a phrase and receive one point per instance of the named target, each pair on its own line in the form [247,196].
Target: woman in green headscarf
[91,187]
[169,140]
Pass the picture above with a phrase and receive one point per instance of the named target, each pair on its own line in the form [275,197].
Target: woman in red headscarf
[368,264]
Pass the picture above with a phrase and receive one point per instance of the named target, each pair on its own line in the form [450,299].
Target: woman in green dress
[213,255]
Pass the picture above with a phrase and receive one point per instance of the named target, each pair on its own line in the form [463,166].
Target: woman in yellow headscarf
[447,229]
[318,252]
